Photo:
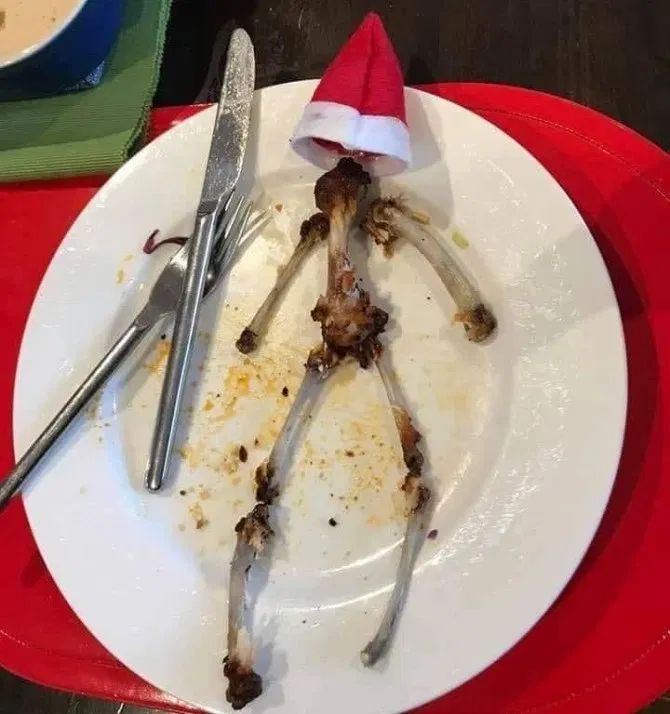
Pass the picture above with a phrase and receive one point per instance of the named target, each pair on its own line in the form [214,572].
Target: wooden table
[612,55]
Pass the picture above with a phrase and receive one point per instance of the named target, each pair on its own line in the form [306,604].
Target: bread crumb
[198,515]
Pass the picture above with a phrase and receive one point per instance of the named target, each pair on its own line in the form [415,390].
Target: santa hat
[358,107]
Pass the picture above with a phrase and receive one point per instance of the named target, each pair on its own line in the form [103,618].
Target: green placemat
[93,131]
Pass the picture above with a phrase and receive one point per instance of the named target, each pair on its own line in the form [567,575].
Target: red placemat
[605,644]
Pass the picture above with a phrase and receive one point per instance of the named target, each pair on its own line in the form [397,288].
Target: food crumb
[279,207]
[182,492]
[208,406]
[304,622]
[198,514]
[256,442]
[460,240]
[433,534]
[120,275]
[163,336]
[349,453]
[243,454]
[332,522]
[3,16]
[285,392]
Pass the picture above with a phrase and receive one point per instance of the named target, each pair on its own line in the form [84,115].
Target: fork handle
[100,374]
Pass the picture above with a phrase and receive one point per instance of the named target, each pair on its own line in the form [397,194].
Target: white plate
[522,435]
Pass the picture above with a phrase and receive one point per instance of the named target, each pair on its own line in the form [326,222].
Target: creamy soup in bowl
[26,25]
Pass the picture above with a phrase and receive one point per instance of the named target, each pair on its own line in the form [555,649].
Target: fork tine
[252,227]
[239,218]
[223,209]
[233,231]
[231,211]
[255,222]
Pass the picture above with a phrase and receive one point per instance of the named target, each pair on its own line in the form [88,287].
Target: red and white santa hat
[359,106]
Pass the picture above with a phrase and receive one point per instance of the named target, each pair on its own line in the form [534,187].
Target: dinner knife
[226,156]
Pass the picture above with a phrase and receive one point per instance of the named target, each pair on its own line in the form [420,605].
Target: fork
[162,302]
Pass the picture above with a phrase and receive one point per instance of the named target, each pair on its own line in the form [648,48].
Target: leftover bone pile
[351,326]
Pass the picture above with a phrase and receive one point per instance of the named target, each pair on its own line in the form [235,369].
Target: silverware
[226,155]
[162,302]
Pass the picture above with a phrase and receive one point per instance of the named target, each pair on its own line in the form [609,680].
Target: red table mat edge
[623,152]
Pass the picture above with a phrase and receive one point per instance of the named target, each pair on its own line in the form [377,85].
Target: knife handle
[100,374]
[162,444]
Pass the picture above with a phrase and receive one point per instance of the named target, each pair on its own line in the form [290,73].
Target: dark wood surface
[612,55]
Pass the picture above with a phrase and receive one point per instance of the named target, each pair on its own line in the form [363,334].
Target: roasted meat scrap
[350,324]
[312,232]
[390,219]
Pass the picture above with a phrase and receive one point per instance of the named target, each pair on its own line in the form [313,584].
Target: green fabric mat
[92,131]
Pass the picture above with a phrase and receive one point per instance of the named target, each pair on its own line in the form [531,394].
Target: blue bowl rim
[34,49]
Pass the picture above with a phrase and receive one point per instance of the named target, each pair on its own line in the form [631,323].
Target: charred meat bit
[479,322]
[348,322]
[265,491]
[341,187]
[409,439]
[417,494]
[247,341]
[315,229]
[244,685]
[284,392]
[254,528]
[242,454]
